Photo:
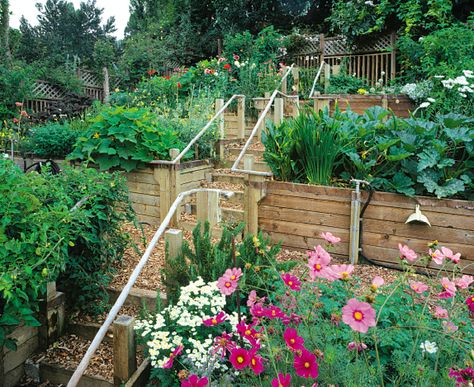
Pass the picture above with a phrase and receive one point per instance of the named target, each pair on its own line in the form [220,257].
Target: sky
[117,8]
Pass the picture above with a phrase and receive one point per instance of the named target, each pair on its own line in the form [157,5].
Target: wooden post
[241,118]
[168,180]
[106,85]
[295,111]
[254,192]
[125,359]
[207,203]
[220,129]
[336,69]
[284,84]
[52,316]
[278,111]
[327,76]
[296,79]
[321,104]
[174,152]
[249,162]
[385,101]
[321,48]
[354,229]
[173,242]
[393,63]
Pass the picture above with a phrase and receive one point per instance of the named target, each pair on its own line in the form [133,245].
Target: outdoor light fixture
[418,217]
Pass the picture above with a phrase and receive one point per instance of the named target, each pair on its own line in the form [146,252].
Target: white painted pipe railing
[261,119]
[126,290]
[318,74]
[178,158]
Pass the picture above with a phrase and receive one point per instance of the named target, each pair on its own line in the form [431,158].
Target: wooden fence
[371,61]
[297,214]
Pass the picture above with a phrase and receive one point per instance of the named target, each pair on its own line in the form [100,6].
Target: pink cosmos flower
[292,340]
[15,121]
[463,377]
[240,358]
[470,303]
[256,362]
[356,346]
[221,59]
[292,318]
[449,326]
[226,286]
[292,281]
[282,381]
[328,237]
[236,57]
[342,272]
[220,318]
[249,332]
[448,253]
[418,287]
[233,274]
[358,315]
[377,282]
[273,312]
[440,312]
[257,310]
[407,253]
[449,288]
[18,104]
[223,344]
[437,256]
[306,365]
[173,354]
[318,260]
[252,299]
[464,281]
[195,381]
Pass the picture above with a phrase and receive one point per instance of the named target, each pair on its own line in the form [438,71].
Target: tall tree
[5,30]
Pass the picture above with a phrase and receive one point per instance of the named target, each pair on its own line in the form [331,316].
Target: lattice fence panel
[90,79]
[44,90]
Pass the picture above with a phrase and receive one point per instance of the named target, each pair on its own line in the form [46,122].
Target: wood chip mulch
[127,310]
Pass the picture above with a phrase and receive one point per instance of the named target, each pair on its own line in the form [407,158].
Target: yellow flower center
[254,362]
[358,315]
[227,284]
[240,359]
[232,277]
[248,332]
[445,286]
[273,313]
[290,283]
[306,365]
[345,274]
[317,266]
[214,321]
[292,341]
[374,287]
[415,287]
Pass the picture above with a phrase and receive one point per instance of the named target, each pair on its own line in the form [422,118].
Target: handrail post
[284,84]
[173,242]
[241,118]
[221,129]
[278,111]
[207,203]
[296,79]
[254,192]
[125,352]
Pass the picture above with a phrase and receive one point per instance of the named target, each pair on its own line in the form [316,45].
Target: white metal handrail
[178,158]
[318,74]
[235,166]
[75,378]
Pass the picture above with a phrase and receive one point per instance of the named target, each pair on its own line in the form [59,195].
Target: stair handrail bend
[76,377]
[178,158]
[318,74]
[235,166]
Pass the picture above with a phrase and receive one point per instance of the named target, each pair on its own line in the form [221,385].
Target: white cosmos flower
[432,100]
[468,73]
[429,347]
[424,105]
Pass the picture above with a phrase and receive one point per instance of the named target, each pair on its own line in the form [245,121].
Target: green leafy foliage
[346,84]
[125,138]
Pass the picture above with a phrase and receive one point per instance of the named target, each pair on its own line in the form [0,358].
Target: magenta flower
[449,326]
[464,281]
[306,365]
[448,253]
[257,310]
[342,272]
[173,354]
[240,358]
[282,381]
[256,362]
[292,281]
[437,256]
[328,237]
[233,274]
[377,282]
[356,346]
[449,288]
[220,318]
[440,312]
[319,259]
[418,287]
[463,377]
[249,332]
[358,315]
[470,303]
[195,381]
[273,312]
[252,299]
[407,253]
[223,344]
[292,340]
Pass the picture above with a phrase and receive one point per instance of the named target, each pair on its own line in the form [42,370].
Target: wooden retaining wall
[400,104]
[297,214]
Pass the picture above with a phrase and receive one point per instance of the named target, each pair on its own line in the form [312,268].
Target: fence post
[221,129]
[278,111]
[125,359]
[52,316]
[321,48]
[167,177]
[254,192]
[393,63]
[241,118]
[207,203]
[173,242]
[296,79]
[327,76]
[284,84]
[106,84]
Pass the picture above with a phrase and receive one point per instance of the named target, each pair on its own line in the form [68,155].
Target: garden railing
[260,122]
[318,74]
[75,378]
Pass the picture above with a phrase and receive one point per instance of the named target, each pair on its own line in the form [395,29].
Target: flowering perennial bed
[313,329]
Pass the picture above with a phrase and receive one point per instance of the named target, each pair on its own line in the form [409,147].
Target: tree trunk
[5,30]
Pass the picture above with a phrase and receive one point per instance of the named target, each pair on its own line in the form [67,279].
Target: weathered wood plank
[301,216]
[58,375]
[150,200]
[13,359]
[307,204]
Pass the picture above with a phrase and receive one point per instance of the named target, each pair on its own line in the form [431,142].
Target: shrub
[54,140]
[414,331]
[126,138]
[346,84]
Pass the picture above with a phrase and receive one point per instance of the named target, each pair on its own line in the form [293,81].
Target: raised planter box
[297,214]
[400,104]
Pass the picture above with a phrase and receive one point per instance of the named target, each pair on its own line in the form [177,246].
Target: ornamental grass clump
[321,325]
